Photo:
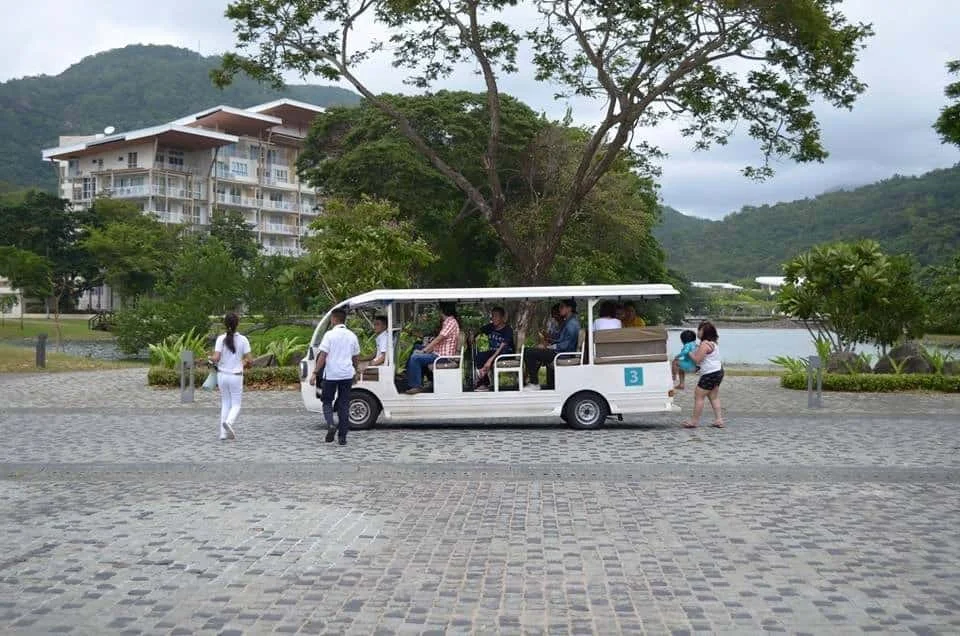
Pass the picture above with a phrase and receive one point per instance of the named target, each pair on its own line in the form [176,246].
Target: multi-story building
[221,158]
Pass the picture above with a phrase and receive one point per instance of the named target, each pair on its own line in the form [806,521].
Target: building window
[89,187]
[175,159]
[280,175]
[159,159]
[239,168]
[131,160]
[276,197]
[254,153]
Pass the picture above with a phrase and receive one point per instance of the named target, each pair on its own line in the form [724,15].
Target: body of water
[753,347]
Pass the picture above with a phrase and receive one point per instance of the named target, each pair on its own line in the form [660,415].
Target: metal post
[814,366]
[42,351]
[186,376]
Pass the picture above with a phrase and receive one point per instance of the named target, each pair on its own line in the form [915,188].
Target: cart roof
[479,294]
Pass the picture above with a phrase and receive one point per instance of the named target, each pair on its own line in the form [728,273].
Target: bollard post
[42,351]
[187,371]
[814,367]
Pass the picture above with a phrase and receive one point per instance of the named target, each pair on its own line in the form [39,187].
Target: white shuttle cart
[613,373]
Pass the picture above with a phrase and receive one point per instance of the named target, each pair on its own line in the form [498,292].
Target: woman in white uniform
[231,355]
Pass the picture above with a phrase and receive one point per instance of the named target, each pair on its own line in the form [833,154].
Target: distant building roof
[727,286]
[770,281]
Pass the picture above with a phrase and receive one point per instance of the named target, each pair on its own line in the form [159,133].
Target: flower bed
[876,383]
[265,378]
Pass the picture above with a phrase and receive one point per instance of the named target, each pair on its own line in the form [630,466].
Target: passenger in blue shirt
[500,338]
[566,342]
[682,363]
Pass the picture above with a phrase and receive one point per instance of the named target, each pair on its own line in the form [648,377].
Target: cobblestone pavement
[120,512]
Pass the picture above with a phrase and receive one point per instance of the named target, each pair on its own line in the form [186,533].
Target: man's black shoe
[343,441]
[331,433]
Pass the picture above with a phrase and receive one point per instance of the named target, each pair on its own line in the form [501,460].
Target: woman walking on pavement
[231,355]
[707,356]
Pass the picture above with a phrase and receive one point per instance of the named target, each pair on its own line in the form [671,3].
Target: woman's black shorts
[710,381]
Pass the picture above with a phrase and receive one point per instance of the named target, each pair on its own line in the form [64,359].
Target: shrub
[872,383]
[270,377]
[284,349]
[792,365]
[167,353]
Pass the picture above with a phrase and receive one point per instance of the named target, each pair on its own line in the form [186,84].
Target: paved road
[120,512]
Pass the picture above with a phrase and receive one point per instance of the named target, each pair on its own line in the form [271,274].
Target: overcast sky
[887,133]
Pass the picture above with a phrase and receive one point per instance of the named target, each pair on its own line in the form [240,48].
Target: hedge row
[876,383]
[269,377]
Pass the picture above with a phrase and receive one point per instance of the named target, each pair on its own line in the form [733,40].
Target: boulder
[906,350]
[910,354]
[846,362]
[266,360]
[911,364]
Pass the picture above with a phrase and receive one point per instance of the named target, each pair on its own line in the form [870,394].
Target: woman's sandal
[718,424]
[689,424]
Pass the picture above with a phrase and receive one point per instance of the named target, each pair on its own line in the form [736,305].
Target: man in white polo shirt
[338,359]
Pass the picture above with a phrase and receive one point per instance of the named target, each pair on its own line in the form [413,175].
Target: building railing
[279,228]
[278,205]
[282,251]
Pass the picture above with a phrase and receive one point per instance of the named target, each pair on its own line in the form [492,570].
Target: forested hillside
[128,88]
[915,215]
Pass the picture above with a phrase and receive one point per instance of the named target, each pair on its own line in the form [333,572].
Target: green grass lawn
[73,329]
[23,360]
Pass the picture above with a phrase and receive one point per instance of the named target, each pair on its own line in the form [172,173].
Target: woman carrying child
[707,355]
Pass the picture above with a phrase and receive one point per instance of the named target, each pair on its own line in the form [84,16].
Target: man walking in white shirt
[337,360]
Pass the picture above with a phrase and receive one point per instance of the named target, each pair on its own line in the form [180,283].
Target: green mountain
[132,87]
[906,215]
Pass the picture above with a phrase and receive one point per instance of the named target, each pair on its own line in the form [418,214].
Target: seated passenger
[543,355]
[630,317]
[553,326]
[443,345]
[607,319]
[379,357]
[500,338]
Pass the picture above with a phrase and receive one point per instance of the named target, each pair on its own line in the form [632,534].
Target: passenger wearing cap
[543,355]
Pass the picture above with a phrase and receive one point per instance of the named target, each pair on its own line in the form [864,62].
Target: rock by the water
[846,362]
[266,360]
[911,364]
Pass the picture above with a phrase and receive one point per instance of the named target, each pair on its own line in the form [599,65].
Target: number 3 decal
[633,376]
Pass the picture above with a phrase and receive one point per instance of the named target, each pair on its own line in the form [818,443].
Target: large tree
[948,123]
[46,227]
[134,250]
[720,65]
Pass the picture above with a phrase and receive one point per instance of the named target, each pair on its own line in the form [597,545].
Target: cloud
[888,132]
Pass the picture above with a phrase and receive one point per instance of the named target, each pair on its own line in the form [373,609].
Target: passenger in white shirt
[607,319]
[383,341]
[338,359]
[231,355]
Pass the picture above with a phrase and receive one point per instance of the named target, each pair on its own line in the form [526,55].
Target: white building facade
[222,158]
[13,305]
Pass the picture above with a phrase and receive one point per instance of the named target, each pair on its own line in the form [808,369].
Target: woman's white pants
[231,393]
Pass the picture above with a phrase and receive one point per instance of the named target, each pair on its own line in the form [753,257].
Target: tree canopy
[649,61]
[948,123]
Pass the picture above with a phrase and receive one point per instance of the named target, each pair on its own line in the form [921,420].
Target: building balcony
[286,206]
[235,199]
[276,250]
[141,191]
[283,184]
[278,228]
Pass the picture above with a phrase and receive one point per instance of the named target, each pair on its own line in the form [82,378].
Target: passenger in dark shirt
[500,336]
